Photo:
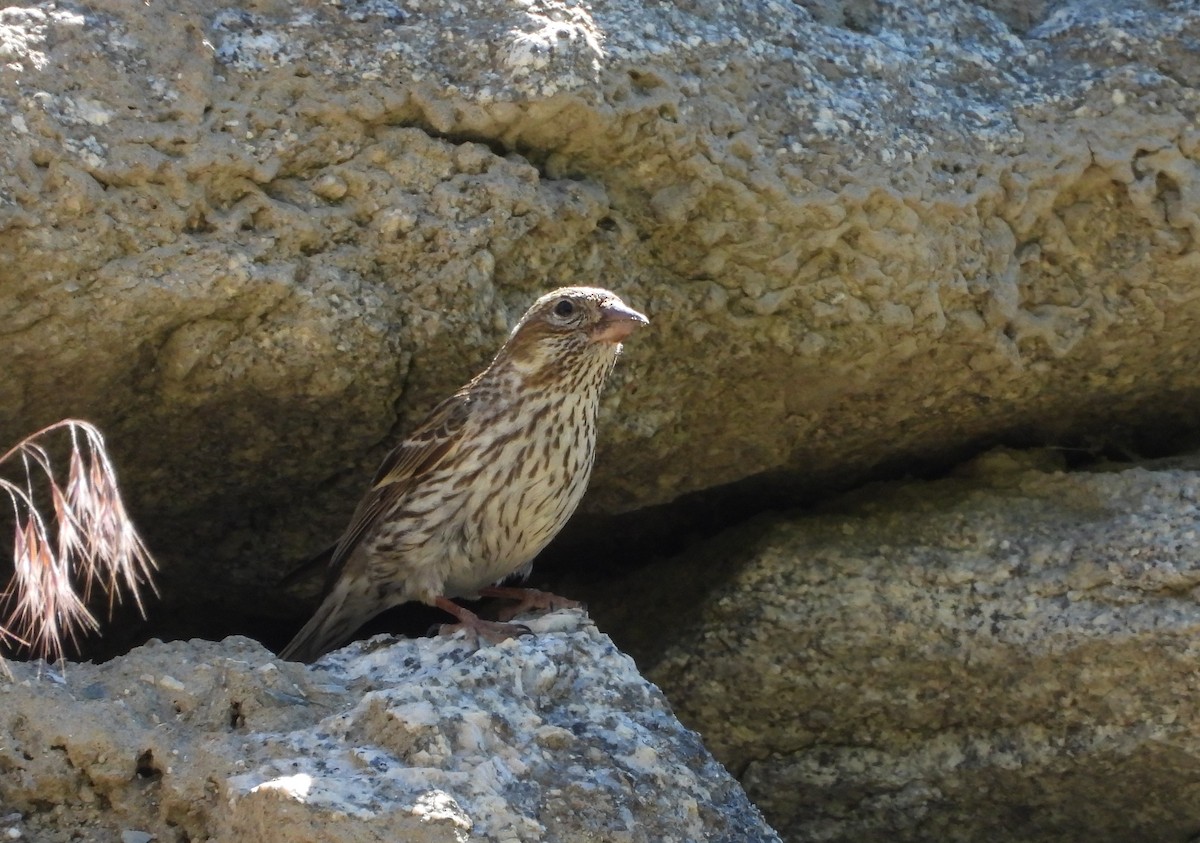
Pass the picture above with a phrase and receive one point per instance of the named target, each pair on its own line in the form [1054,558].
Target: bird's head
[571,324]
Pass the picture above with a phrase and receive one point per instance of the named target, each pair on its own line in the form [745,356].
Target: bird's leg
[475,626]
[528,599]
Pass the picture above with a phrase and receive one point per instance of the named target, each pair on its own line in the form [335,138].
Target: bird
[476,490]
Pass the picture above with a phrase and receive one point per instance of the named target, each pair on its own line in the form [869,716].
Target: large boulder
[1005,655]
[430,741]
[254,240]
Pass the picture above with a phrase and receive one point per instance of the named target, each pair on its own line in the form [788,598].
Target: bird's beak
[617,321]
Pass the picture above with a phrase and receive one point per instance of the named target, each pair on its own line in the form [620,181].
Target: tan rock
[253,242]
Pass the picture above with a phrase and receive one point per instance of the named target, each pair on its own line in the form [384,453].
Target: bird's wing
[308,568]
[420,453]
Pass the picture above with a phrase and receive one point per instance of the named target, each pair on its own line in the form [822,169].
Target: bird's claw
[480,630]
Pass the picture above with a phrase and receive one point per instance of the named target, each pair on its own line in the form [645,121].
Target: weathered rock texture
[553,739]
[252,240]
[1006,655]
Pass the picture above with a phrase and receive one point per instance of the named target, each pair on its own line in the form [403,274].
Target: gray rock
[549,739]
[1005,655]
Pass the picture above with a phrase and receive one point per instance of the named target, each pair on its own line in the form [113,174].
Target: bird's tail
[334,622]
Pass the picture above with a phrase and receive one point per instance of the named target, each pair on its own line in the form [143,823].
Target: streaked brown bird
[485,481]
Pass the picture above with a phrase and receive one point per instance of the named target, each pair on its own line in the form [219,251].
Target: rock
[993,656]
[551,738]
[254,242]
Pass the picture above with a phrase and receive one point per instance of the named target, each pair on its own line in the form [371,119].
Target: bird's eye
[564,308]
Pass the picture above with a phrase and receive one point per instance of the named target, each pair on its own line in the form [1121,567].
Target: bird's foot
[528,600]
[477,628]
[490,631]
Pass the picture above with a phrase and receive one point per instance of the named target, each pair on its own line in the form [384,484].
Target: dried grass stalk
[89,543]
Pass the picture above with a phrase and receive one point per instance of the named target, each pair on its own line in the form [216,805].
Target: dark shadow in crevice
[595,554]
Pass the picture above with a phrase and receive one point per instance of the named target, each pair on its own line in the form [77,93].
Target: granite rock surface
[1008,654]
[554,738]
